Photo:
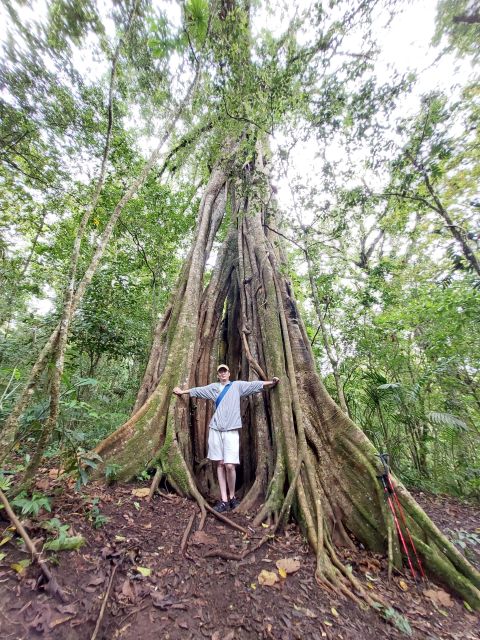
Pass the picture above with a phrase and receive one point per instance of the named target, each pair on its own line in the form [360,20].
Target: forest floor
[192,596]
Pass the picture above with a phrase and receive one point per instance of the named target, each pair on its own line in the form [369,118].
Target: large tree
[303,456]
[301,451]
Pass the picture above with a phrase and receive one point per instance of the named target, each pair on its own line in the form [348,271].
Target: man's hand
[177,391]
[272,383]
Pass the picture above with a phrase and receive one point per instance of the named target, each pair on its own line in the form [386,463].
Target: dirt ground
[132,564]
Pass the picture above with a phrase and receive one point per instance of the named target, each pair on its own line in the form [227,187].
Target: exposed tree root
[188,529]
[157,478]
[226,520]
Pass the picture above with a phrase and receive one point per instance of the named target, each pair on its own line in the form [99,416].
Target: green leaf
[33,505]
[399,621]
[5,482]
[21,565]
[64,543]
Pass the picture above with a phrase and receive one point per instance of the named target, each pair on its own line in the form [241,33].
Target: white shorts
[224,445]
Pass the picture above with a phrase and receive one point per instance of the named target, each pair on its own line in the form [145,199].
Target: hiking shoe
[234,502]
[221,506]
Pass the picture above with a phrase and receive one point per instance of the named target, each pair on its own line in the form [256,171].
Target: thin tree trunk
[454,229]
[68,307]
[326,343]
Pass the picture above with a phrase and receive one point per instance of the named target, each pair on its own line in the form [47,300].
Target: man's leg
[231,479]
[222,480]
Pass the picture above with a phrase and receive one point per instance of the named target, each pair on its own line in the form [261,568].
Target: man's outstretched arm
[207,392]
[255,386]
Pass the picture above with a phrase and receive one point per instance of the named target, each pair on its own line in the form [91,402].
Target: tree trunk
[301,453]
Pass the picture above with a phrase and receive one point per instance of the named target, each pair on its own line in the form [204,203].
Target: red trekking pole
[391,489]
[393,500]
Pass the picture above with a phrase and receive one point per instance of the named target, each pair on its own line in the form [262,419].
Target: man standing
[224,427]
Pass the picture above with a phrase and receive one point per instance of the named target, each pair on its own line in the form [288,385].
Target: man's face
[223,375]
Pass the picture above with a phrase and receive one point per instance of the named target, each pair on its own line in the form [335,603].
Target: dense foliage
[382,233]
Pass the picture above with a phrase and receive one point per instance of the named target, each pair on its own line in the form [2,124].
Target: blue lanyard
[222,394]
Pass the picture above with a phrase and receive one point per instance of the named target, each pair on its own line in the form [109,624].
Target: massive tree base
[302,456]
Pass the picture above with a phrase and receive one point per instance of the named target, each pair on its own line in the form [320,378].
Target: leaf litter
[206,597]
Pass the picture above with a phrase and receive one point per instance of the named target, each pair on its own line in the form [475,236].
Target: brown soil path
[191,596]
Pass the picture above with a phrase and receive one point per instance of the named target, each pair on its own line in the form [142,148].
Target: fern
[4,482]
[31,506]
[446,420]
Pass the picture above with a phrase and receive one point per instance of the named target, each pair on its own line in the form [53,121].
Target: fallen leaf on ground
[334,611]
[5,540]
[141,493]
[372,565]
[439,597]
[120,632]
[60,620]
[70,609]
[64,543]
[200,537]
[282,573]
[289,565]
[21,565]
[127,590]
[403,585]
[161,600]
[144,571]
[267,578]
[43,484]
[307,612]
[219,635]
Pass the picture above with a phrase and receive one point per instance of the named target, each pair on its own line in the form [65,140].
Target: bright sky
[405,47]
